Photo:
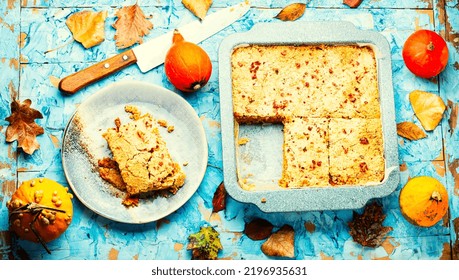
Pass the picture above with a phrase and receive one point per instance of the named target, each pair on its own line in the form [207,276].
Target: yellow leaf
[291,12]
[198,7]
[410,131]
[87,27]
[130,26]
[428,107]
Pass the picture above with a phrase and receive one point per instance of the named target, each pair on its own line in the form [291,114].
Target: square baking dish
[261,161]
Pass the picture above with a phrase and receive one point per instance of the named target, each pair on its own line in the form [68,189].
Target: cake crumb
[185,163]
[170,128]
[134,111]
[162,123]
[243,141]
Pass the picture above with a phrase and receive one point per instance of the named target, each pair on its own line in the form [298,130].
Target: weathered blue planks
[39,50]
[449,90]
[413,4]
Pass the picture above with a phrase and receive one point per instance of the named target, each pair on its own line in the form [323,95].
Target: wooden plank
[9,28]
[422,4]
[9,83]
[47,41]
[319,235]
[447,22]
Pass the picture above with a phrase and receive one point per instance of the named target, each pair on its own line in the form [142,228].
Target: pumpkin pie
[327,98]
[142,156]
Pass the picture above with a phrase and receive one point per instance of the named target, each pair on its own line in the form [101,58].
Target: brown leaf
[219,199]
[352,3]
[280,243]
[291,12]
[452,121]
[410,131]
[22,126]
[428,107]
[367,229]
[130,26]
[258,229]
[87,27]
[198,7]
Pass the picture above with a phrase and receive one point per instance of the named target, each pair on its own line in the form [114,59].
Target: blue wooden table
[36,50]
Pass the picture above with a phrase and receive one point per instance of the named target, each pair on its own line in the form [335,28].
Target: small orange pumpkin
[40,210]
[187,65]
[423,201]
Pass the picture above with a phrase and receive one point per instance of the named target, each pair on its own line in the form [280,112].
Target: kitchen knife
[152,53]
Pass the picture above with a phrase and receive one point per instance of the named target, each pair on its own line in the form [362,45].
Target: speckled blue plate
[83,145]
[265,162]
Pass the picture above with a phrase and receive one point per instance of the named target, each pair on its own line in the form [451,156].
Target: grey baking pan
[261,158]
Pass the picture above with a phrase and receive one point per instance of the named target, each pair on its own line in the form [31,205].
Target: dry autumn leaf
[258,229]
[410,131]
[291,12]
[367,229]
[452,121]
[219,199]
[280,243]
[130,26]
[428,108]
[87,27]
[352,3]
[22,126]
[204,244]
[198,7]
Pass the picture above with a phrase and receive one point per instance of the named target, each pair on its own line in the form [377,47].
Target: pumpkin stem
[430,46]
[196,87]
[177,37]
[436,196]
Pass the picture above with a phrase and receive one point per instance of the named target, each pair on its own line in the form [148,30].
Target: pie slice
[142,156]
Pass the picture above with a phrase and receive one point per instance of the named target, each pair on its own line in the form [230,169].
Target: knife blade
[152,53]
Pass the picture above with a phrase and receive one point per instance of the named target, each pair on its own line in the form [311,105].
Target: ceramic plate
[83,145]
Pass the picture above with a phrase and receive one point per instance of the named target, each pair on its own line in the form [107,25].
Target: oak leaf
[258,229]
[367,229]
[22,126]
[87,27]
[291,12]
[410,131]
[130,26]
[198,7]
[352,3]
[204,244]
[428,107]
[280,243]
[219,199]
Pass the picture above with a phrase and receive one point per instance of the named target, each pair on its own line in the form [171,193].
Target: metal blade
[152,53]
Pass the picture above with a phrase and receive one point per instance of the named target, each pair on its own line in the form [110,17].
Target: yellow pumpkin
[40,210]
[423,201]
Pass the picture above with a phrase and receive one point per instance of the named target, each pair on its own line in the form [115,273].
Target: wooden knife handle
[74,82]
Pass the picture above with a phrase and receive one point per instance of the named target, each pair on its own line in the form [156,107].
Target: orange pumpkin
[40,210]
[423,201]
[187,65]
